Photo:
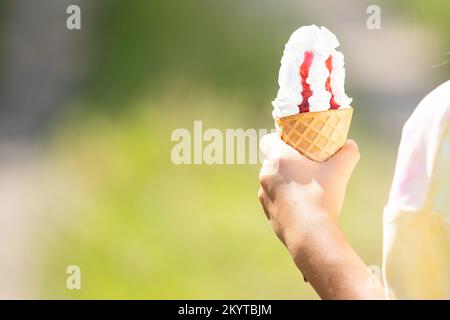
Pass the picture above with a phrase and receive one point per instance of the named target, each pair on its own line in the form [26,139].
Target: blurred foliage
[141,46]
[434,14]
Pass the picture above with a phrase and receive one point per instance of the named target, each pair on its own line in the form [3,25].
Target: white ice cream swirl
[322,43]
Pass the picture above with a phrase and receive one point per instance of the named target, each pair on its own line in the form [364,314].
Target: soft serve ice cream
[312,74]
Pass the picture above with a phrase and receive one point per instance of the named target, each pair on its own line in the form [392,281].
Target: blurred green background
[87,117]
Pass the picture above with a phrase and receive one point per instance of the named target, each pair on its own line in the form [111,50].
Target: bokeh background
[86,117]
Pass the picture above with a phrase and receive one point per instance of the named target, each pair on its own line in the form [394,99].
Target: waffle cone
[316,135]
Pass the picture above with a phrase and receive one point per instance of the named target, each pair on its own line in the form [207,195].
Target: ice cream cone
[316,135]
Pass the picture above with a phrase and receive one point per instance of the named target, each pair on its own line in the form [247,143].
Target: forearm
[332,267]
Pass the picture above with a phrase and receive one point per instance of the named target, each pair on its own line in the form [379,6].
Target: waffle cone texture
[316,135]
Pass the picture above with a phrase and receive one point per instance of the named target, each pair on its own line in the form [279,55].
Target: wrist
[332,267]
[323,238]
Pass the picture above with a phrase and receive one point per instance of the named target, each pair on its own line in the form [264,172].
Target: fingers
[272,146]
[346,158]
[282,161]
[267,143]
[262,199]
[350,153]
[270,167]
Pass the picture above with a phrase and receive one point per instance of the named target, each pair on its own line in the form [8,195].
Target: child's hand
[302,200]
[300,196]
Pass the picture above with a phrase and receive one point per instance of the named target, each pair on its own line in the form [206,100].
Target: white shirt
[416,220]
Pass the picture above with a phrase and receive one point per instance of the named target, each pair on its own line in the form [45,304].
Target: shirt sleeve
[416,220]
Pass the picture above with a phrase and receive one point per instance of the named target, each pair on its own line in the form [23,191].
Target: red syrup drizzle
[329,64]
[304,71]
[306,93]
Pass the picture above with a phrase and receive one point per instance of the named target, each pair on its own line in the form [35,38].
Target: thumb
[345,160]
[272,146]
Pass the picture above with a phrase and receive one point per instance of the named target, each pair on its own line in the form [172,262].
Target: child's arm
[302,200]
